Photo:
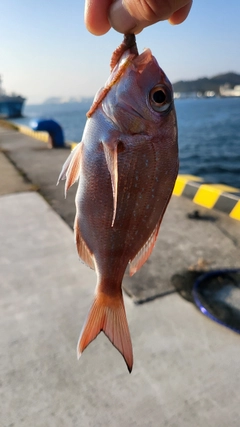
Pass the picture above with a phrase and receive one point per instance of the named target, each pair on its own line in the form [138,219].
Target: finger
[132,16]
[96,16]
[180,15]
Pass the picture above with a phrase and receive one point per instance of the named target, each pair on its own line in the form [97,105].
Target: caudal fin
[107,314]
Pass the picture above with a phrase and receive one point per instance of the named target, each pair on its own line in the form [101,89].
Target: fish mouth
[142,60]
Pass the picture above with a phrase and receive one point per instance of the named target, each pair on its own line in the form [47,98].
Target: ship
[10,105]
[227,90]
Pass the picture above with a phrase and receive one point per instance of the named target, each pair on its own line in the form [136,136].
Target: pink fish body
[127,165]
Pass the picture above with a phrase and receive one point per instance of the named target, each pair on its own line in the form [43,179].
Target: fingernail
[120,19]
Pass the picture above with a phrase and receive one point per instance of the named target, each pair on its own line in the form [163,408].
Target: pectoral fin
[71,168]
[111,153]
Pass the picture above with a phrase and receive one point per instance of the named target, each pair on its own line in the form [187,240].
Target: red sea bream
[126,164]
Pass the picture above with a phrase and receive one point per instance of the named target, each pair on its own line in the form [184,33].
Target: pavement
[186,367]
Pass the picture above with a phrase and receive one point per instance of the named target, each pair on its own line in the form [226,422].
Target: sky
[46,51]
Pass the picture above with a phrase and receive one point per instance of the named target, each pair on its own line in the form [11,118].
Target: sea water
[209,134]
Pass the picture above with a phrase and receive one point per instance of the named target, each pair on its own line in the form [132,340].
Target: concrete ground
[186,368]
[183,241]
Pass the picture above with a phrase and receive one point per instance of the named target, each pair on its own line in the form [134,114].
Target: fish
[126,165]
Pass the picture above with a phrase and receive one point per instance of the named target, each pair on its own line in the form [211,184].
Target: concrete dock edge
[220,197]
[212,196]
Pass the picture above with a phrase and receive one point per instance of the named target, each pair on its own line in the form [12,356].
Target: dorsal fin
[145,251]
[71,168]
[129,42]
[111,152]
[82,248]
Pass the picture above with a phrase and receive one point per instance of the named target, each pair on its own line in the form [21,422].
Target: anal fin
[82,248]
[137,262]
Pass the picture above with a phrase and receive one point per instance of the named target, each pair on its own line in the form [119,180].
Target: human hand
[131,16]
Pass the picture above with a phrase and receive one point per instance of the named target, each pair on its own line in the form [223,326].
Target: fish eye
[160,98]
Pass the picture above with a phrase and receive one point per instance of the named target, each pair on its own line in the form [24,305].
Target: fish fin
[65,167]
[145,251]
[111,153]
[137,262]
[108,314]
[129,42]
[82,248]
[71,168]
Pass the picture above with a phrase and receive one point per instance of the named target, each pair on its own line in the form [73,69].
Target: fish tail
[108,314]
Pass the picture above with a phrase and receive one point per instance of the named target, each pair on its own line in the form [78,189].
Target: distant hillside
[205,84]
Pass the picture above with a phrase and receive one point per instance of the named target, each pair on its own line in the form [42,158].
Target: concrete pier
[186,367]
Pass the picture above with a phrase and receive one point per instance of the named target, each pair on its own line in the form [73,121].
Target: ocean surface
[209,134]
